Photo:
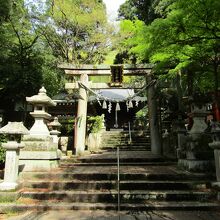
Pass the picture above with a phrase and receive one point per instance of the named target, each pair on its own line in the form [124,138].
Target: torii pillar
[153,118]
[80,124]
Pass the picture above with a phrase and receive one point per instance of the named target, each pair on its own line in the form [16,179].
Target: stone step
[162,205]
[126,145]
[107,164]
[111,196]
[126,141]
[111,148]
[127,148]
[113,176]
[133,138]
[122,160]
[109,184]
[135,132]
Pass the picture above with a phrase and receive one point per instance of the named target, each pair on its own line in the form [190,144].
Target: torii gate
[84,72]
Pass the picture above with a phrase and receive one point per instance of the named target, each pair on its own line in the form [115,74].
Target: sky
[112,8]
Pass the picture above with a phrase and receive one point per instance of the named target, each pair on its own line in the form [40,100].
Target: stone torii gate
[83,84]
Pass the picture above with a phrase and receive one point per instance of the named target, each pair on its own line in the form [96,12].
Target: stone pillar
[103,123]
[80,133]
[215,145]
[11,165]
[181,138]
[14,130]
[153,119]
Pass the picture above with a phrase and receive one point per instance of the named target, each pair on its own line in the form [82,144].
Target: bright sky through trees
[112,8]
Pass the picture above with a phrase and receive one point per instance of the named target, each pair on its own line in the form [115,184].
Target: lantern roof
[41,98]
[14,128]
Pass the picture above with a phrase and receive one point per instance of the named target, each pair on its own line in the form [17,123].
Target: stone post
[181,138]
[13,129]
[103,123]
[153,119]
[80,133]
[215,145]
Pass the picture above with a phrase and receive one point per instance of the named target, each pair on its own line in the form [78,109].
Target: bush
[2,150]
[95,124]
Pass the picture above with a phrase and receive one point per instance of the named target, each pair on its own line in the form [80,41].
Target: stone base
[5,186]
[216,186]
[38,160]
[38,165]
[94,142]
[116,129]
[39,154]
[196,165]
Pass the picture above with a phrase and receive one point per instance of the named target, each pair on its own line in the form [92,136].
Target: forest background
[181,38]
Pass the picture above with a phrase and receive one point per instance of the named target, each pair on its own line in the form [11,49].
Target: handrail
[129,129]
[118,180]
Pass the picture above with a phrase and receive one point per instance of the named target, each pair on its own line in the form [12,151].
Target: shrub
[2,150]
[95,124]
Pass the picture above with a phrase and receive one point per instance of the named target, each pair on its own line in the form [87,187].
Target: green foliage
[142,114]
[138,9]
[5,8]
[25,62]
[2,150]
[67,126]
[185,38]
[95,124]
[75,30]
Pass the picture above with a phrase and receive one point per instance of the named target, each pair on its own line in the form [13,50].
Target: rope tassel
[109,107]
[117,107]
[130,104]
[104,105]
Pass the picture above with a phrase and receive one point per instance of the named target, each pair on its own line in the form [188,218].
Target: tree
[75,30]
[5,8]
[185,39]
[138,9]
[25,64]
[143,10]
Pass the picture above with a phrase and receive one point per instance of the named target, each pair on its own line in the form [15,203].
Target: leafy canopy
[186,36]
[75,30]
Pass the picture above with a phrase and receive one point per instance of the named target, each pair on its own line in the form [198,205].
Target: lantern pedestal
[11,165]
[216,146]
[39,154]
[14,130]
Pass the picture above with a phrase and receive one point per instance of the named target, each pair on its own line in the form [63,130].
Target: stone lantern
[40,102]
[215,144]
[40,152]
[199,157]
[14,130]
[55,125]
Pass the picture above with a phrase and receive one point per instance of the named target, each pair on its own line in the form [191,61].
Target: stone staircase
[139,140]
[147,182]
